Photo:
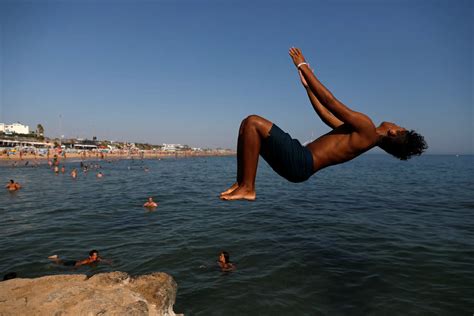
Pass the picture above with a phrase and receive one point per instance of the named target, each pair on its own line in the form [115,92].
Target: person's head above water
[400,142]
[11,181]
[93,254]
[224,257]
[150,199]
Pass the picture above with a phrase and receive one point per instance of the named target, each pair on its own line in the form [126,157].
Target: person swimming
[224,262]
[150,203]
[74,173]
[93,258]
[100,175]
[13,186]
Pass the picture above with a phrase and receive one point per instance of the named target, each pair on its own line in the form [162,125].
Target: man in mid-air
[353,133]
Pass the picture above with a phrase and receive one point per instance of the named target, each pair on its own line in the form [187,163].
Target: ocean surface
[374,236]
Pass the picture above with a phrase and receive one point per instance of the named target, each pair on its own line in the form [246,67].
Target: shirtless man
[150,203]
[93,258]
[13,186]
[353,133]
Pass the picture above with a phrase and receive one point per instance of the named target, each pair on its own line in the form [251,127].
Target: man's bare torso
[340,145]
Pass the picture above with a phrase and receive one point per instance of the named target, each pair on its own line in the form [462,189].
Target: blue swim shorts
[287,156]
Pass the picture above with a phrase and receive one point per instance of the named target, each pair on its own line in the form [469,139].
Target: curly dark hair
[404,145]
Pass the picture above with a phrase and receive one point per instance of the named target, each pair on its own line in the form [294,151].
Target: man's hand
[297,56]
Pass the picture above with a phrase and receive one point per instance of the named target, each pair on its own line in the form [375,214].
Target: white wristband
[300,64]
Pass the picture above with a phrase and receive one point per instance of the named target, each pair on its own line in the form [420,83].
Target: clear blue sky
[190,71]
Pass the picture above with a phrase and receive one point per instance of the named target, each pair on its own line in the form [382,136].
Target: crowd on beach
[223,262]
[28,153]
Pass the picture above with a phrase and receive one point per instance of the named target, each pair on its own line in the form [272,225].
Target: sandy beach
[89,155]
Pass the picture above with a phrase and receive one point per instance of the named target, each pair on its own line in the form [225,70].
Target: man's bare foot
[240,193]
[231,189]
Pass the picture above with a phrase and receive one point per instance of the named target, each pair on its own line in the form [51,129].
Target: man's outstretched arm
[357,120]
[324,114]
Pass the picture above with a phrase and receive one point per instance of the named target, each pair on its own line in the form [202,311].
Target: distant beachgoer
[9,276]
[13,186]
[50,163]
[63,169]
[56,170]
[150,203]
[93,258]
[224,262]
[74,173]
[27,163]
[99,175]
[353,133]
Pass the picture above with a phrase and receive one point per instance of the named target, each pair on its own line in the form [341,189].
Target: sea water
[372,236]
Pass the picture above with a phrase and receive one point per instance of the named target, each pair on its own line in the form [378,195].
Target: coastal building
[174,147]
[170,147]
[15,128]
[9,143]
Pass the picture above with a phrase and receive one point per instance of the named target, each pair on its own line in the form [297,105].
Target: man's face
[392,129]
[94,256]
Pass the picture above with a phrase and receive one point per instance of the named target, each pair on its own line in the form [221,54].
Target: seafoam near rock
[114,293]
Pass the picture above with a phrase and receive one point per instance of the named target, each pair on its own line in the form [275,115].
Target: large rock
[114,293]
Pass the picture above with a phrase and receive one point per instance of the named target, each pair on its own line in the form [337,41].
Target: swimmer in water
[99,175]
[74,173]
[13,186]
[224,262]
[63,170]
[150,203]
[93,258]
[56,170]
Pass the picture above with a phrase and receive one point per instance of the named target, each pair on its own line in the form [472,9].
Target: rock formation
[114,293]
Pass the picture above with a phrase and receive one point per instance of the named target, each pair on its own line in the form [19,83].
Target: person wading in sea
[353,133]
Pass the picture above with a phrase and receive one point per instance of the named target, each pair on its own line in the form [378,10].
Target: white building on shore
[171,147]
[16,128]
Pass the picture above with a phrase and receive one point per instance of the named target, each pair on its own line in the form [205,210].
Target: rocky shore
[113,293]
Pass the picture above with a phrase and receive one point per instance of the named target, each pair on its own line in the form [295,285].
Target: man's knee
[261,124]
[253,120]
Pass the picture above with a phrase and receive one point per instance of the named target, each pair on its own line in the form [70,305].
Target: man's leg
[253,130]
[239,160]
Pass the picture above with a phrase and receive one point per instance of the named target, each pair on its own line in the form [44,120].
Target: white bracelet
[300,64]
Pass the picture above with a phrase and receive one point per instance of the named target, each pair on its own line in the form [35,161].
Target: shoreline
[112,156]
